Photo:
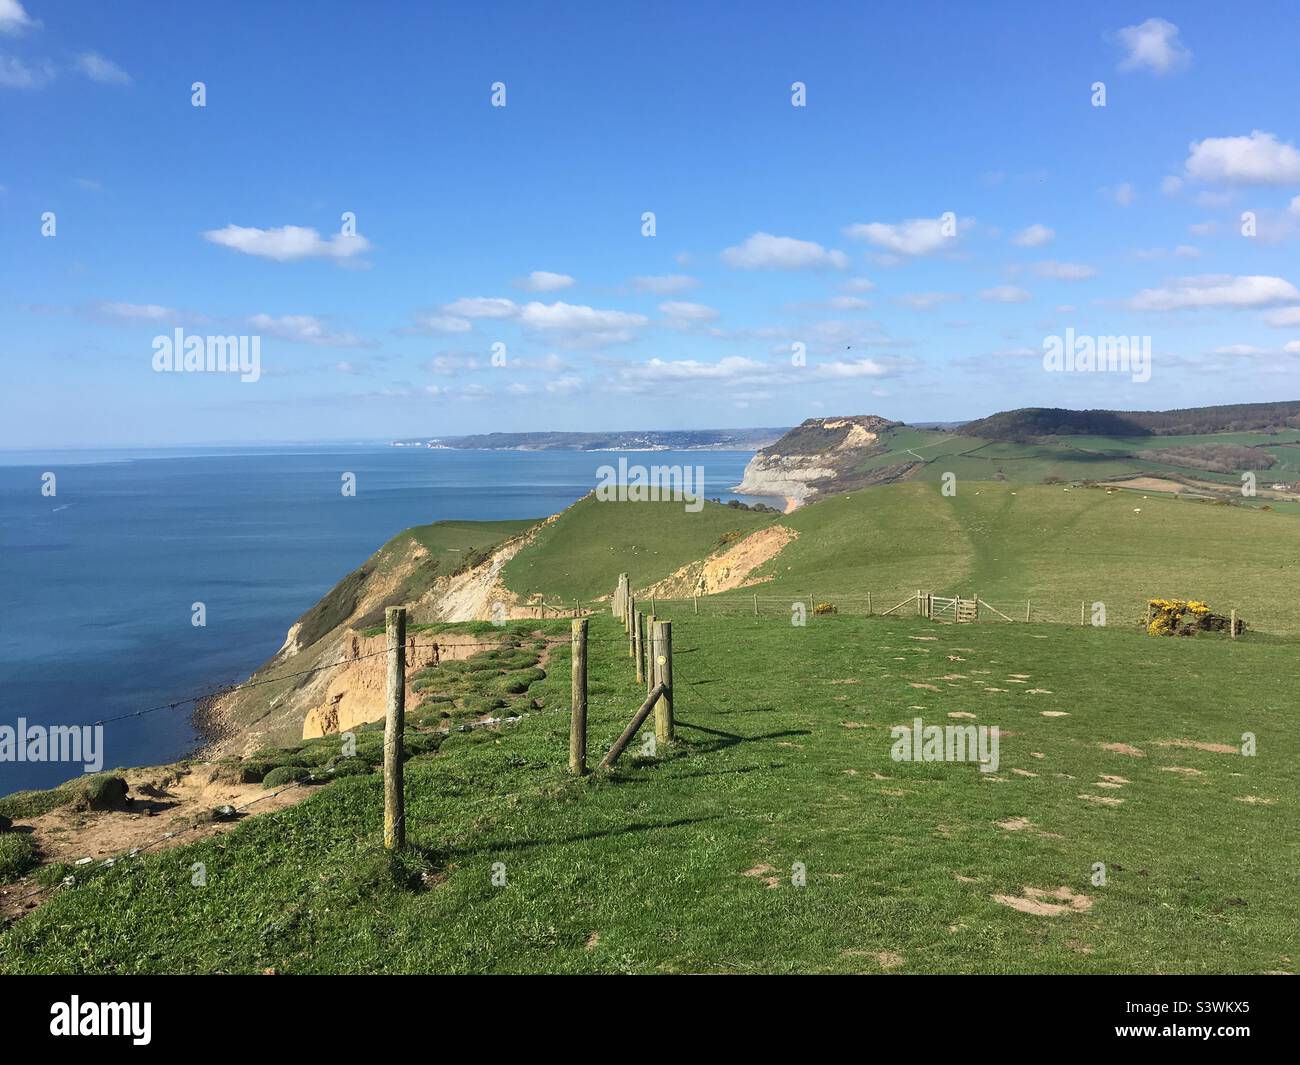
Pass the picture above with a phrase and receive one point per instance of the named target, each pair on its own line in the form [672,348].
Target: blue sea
[97,581]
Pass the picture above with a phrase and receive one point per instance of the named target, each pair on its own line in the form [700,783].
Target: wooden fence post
[695,603]
[647,646]
[578,700]
[755,604]
[394,724]
[638,648]
[663,674]
[920,612]
[1027,609]
[1083,609]
[868,604]
[630,625]
[638,719]
[1233,625]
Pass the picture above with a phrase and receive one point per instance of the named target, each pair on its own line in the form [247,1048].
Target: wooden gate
[951,608]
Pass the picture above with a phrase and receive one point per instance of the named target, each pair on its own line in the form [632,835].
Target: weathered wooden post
[1027,609]
[755,604]
[638,646]
[663,674]
[638,719]
[648,647]
[920,612]
[1083,611]
[1233,625]
[695,604]
[630,625]
[578,699]
[394,724]
[868,604]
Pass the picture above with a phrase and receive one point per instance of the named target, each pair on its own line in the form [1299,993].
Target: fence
[884,603]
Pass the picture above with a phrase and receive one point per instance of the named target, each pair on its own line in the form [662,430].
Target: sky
[683,215]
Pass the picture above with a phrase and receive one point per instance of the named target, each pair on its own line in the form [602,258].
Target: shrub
[1182,617]
[18,854]
[826,608]
[102,792]
[349,767]
[284,774]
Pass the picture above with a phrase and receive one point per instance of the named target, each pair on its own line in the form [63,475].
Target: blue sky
[776,225]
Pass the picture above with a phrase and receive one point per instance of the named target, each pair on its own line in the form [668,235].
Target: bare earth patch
[911,684]
[1036,901]
[1197,745]
[1186,771]
[1123,748]
[1255,800]
[1054,713]
[1015,824]
[1101,800]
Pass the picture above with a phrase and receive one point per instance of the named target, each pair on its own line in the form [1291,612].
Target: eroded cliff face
[327,677]
[813,458]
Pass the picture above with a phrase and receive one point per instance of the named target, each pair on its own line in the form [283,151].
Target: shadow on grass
[580,837]
[731,739]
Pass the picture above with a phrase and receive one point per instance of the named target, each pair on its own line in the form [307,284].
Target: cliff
[820,456]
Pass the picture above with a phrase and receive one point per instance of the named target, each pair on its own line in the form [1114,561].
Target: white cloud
[1171,185]
[1292,347]
[1123,194]
[1005,294]
[1217,290]
[664,284]
[564,386]
[1202,229]
[729,368]
[924,301]
[1064,271]
[914,236]
[840,369]
[450,364]
[1153,45]
[681,311]
[98,68]
[1034,236]
[1284,318]
[762,251]
[440,323]
[304,329]
[15,74]
[862,284]
[481,307]
[544,281]
[579,324]
[848,303]
[1295,206]
[1260,159]
[14,19]
[135,312]
[287,243]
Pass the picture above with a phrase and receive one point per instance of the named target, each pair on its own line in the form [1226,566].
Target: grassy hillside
[683,862]
[1055,545]
[1032,422]
[1073,458]
[582,552]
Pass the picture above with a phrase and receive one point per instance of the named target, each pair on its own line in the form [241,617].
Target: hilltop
[1200,452]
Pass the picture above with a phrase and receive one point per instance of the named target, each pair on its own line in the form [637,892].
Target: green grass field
[1068,458]
[683,862]
[1051,544]
[582,552]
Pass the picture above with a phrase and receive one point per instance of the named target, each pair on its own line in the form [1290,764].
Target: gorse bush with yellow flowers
[1186,617]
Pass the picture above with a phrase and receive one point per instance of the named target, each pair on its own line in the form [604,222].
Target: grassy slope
[581,553]
[643,872]
[1066,457]
[1010,542]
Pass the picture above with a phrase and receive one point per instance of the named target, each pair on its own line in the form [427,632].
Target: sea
[98,580]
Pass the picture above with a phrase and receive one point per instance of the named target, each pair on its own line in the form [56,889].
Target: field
[684,862]
[1072,458]
[1051,544]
